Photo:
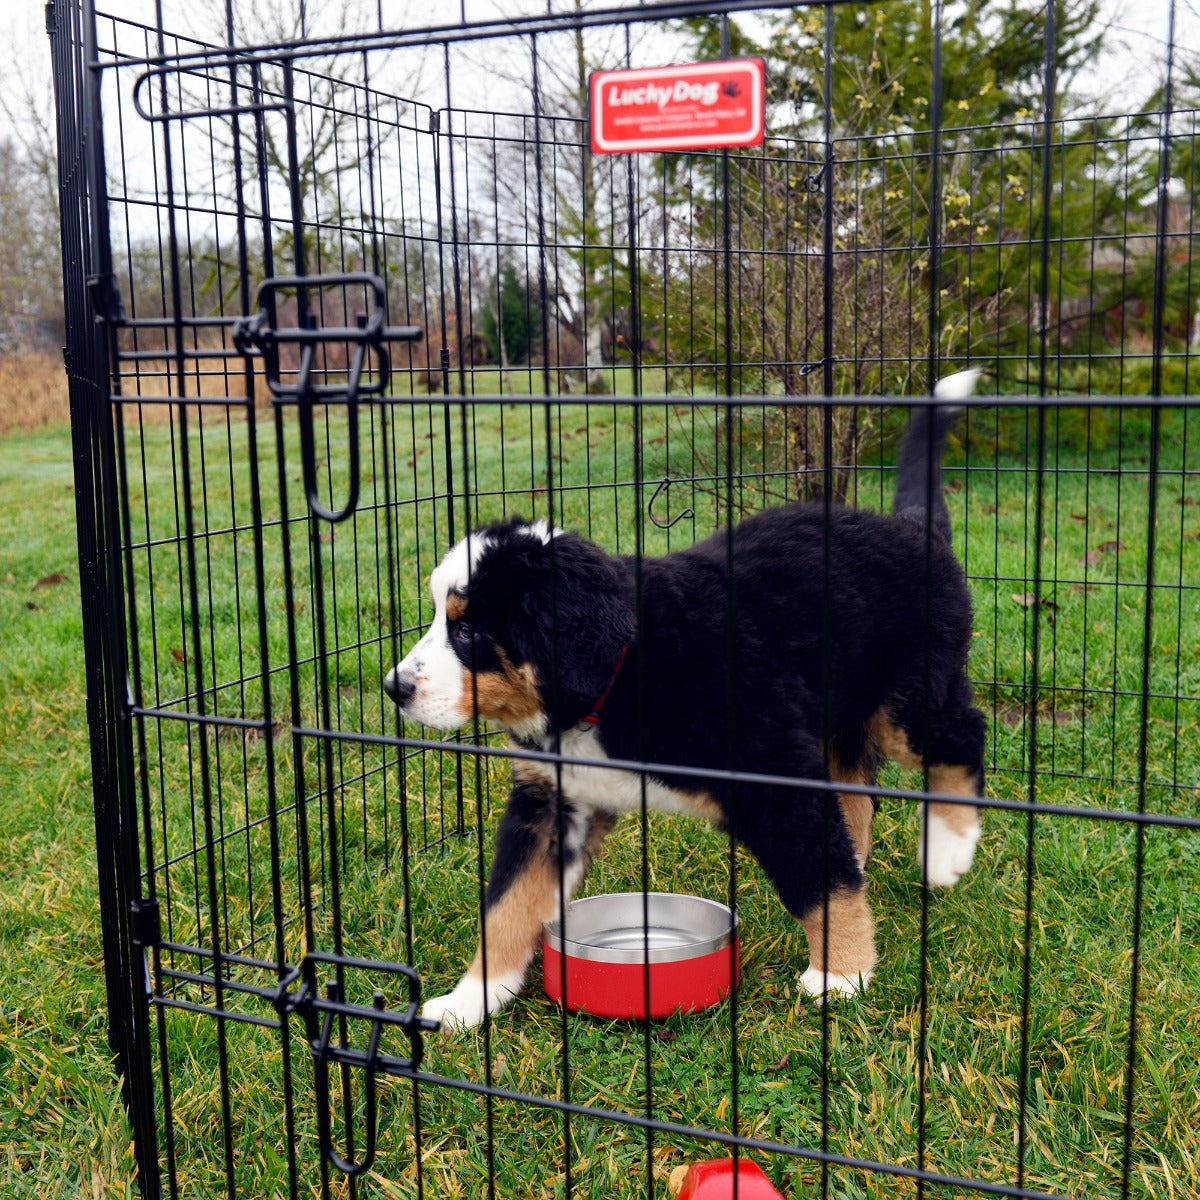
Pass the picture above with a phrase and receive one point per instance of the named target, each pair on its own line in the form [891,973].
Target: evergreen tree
[984,211]
[510,323]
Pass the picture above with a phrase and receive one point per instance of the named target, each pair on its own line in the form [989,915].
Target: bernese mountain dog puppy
[803,644]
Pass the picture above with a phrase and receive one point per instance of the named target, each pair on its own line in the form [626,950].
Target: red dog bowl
[686,945]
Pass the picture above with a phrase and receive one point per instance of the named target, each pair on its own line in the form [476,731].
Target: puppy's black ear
[595,618]
[583,620]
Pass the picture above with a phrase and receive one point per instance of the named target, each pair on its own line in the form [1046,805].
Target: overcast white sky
[1136,42]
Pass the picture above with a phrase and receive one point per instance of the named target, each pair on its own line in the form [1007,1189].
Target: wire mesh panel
[342,290]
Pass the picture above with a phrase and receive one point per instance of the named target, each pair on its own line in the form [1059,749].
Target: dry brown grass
[33,390]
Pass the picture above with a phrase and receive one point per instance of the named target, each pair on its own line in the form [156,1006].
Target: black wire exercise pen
[330,304]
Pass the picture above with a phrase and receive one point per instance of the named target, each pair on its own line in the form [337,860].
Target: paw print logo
[731,88]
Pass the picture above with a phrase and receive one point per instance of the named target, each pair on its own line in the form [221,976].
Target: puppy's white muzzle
[427,684]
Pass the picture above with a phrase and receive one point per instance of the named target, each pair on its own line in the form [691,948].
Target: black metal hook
[663,487]
[308,451]
[812,183]
[207,63]
[321,1057]
[318,1014]
[809,367]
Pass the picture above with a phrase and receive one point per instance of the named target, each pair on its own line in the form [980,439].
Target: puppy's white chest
[610,788]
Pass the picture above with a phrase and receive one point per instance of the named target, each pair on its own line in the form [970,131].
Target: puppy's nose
[399,687]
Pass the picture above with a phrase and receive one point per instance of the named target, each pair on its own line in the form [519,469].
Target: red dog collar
[594,716]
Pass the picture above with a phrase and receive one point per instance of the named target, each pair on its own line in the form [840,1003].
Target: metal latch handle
[260,332]
[318,1013]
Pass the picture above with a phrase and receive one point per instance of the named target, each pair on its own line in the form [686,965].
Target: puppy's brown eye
[462,632]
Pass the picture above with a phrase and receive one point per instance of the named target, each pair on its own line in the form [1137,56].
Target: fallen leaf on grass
[1093,556]
[1029,599]
[1012,715]
[50,580]
[251,735]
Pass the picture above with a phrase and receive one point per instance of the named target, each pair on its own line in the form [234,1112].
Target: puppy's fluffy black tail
[919,494]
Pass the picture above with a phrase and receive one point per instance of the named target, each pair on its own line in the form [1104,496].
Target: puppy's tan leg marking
[513,923]
[952,830]
[892,741]
[842,963]
[511,928]
[600,827]
[858,810]
[953,781]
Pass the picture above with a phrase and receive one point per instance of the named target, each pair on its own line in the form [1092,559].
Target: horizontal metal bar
[221,1014]
[695,1133]
[261,724]
[475,30]
[917,400]
[194,401]
[666,771]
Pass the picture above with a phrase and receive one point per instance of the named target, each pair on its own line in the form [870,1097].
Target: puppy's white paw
[466,1006]
[459,1009]
[822,984]
[949,854]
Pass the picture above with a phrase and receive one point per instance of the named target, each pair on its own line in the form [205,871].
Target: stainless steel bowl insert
[637,927]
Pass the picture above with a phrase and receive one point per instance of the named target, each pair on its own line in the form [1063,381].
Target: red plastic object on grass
[714,1181]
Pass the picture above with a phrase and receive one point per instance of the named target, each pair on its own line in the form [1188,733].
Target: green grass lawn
[847,1078]
[62,1130]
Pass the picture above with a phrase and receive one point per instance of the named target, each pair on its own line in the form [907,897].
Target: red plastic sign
[704,106]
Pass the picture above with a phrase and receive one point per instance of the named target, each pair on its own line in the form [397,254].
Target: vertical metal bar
[256,519]
[86,252]
[480,813]
[390,644]
[635,314]
[1160,270]
[447,429]
[168,1106]
[827,222]
[827,386]
[329,788]
[305,880]
[137,693]
[1049,85]
[551,484]
[1164,201]
[730,682]
[639,552]
[455,247]
[179,368]
[540,214]
[932,370]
